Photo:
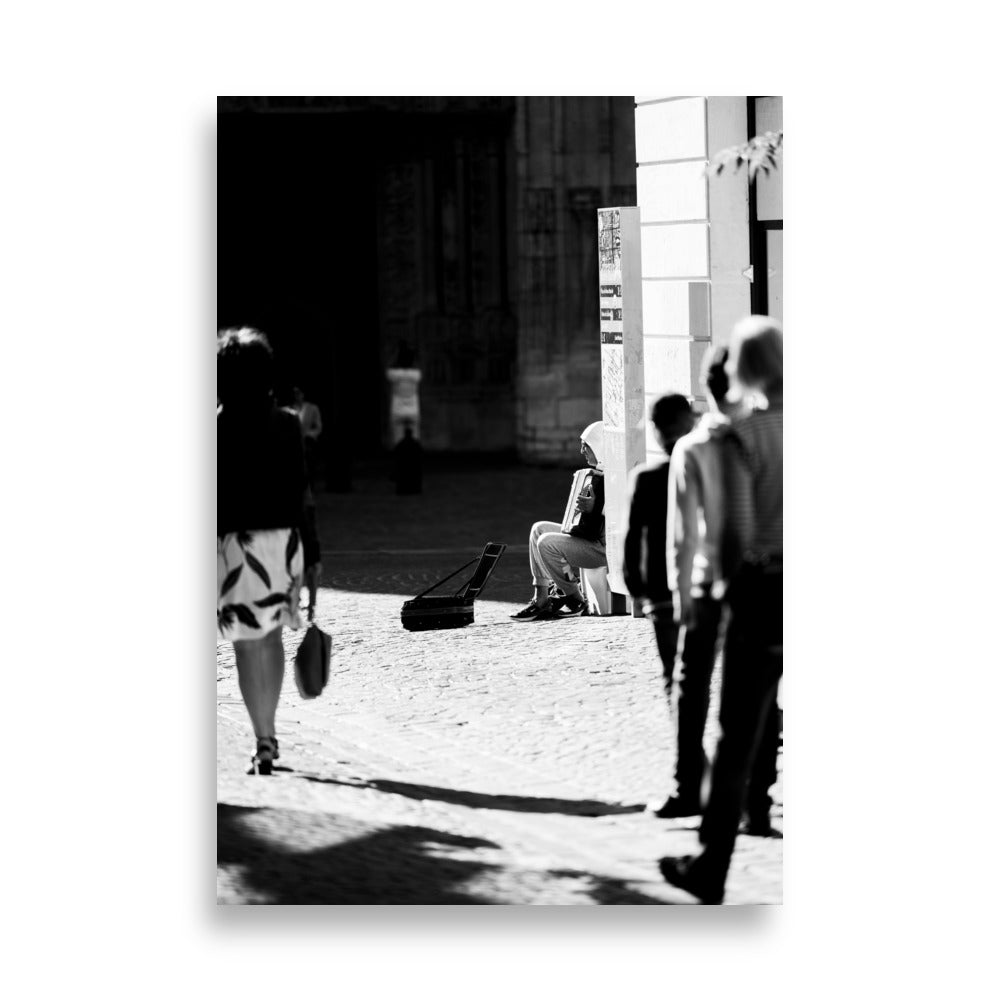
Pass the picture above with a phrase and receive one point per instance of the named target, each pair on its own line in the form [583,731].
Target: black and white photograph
[499,500]
[496,705]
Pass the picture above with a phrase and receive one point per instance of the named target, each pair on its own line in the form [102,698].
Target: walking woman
[260,524]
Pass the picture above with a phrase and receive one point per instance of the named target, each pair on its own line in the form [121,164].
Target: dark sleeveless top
[261,473]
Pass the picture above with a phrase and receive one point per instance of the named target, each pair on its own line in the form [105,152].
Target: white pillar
[622,379]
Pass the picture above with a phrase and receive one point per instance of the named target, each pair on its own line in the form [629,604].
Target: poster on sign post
[622,383]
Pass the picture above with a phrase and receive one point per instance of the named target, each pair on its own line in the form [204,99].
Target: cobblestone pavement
[500,763]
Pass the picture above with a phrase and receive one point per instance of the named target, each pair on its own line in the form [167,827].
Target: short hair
[670,412]
[757,349]
[244,364]
[713,372]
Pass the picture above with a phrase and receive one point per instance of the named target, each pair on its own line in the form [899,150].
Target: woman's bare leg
[260,664]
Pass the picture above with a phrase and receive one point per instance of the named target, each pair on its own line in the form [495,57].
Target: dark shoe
[683,873]
[675,808]
[267,752]
[569,605]
[572,606]
[534,613]
[759,828]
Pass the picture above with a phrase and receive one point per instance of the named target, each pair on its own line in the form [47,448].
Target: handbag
[312,662]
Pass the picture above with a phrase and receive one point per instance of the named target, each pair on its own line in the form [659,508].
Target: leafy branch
[758,154]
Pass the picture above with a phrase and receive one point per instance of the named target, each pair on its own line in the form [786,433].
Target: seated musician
[556,556]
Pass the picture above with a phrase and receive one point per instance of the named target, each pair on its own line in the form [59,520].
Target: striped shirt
[754,483]
[695,508]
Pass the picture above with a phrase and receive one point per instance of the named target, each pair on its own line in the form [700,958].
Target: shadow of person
[483,800]
[289,857]
[607,891]
[270,852]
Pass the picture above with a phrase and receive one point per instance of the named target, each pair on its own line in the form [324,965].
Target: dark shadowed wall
[463,227]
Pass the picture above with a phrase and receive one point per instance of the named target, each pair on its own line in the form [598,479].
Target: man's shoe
[759,828]
[683,873]
[675,808]
[572,606]
[534,613]
[561,601]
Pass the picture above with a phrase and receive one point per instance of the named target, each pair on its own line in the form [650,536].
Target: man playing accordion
[557,552]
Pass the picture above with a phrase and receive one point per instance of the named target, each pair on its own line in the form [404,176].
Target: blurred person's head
[671,417]
[592,443]
[244,365]
[298,396]
[755,356]
[716,381]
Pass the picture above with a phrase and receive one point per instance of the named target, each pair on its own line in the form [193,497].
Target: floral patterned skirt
[259,577]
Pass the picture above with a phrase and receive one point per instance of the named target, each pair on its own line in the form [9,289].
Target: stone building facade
[573,156]
[471,227]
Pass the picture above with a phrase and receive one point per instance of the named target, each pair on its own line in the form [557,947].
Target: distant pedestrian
[261,523]
[312,427]
[751,562]
[645,567]
[556,556]
[312,554]
[408,463]
[694,572]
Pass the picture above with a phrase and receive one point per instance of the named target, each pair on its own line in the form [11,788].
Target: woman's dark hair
[244,366]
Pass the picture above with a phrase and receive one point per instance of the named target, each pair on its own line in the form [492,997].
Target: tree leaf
[255,564]
[244,614]
[243,538]
[225,618]
[273,599]
[231,579]
[276,617]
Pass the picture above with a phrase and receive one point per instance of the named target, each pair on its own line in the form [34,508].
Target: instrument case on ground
[452,610]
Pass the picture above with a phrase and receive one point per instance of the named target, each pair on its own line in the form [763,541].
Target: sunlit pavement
[502,763]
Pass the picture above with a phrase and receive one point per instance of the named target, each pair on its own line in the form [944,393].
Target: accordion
[583,485]
[452,610]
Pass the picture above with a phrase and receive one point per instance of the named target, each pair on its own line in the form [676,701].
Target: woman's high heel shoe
[267,752]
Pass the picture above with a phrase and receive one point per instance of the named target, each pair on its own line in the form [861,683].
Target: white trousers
[556,556]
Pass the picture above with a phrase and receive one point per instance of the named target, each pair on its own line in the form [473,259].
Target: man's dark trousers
[688,695]
[752,667]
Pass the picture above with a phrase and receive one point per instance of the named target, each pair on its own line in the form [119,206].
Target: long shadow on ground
[609,891]
[482,800]
[398,865]
[385,866]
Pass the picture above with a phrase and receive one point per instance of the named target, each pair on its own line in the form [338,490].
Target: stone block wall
[695,245]
[441,221]
[573,155]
